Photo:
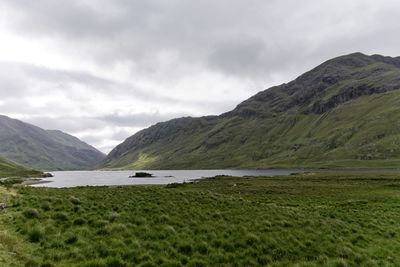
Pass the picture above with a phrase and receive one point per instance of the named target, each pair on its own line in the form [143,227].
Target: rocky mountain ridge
[343,114]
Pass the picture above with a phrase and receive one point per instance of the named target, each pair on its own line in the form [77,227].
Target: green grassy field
[330,219]
[11,169]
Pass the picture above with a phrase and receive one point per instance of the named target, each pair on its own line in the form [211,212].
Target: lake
[161,177]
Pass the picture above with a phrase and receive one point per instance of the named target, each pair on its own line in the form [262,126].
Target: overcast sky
[104,69]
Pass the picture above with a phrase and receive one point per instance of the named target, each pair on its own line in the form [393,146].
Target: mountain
[345,113]
[11,169]
[44,149]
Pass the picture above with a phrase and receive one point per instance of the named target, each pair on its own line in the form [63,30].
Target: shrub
[46,206]
[185,249]
[113,216]
[118,228]
[60,216]
[102,231]
[227,246]
[79,221]
[202,248]
[114,262]
[31,213]
[31,263]
[94,263]
[11,181]
[252,240]
[174,185]
[197,263]
[71,239]
[98,223]
[74,200]
[47,264]
[149,264]
[35,235]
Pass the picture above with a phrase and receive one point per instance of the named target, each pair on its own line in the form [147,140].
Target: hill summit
[41,149]
[345,113]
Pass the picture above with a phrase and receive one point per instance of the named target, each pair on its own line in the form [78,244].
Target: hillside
[11,169]
[44,150]
[342,114]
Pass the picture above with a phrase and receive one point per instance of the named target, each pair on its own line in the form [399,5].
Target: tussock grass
[330,219]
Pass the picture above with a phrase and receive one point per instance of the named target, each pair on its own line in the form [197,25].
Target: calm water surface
[99,178]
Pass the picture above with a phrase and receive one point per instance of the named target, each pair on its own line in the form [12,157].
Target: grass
[9,168]
[311,219]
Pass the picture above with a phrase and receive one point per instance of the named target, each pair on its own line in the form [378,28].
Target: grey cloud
[142,33]
[121,135]
[240,38]
[106,148]
[11,84]
[138,120]
[166,42]
[251,57]
[75,124]
[74,19]
[64,123]
[56,75]
[241,56]
[93,139]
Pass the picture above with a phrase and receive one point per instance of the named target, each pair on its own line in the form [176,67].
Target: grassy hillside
[342,114]
[12,169]
[44,150]
[329,219]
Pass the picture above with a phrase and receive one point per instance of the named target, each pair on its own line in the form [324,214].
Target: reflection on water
[99,178]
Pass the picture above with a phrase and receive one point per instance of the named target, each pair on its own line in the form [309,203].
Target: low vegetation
[310,219]
[9,168]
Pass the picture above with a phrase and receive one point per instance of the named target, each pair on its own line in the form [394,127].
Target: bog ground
[333,219]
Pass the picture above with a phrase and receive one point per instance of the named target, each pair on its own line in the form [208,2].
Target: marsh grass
[11,181]
[332,219]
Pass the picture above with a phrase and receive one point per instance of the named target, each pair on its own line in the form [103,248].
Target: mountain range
[40,149]
[345,113]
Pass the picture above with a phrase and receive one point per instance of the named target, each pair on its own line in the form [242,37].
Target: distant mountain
[11,169]
[345,113]
[44,149]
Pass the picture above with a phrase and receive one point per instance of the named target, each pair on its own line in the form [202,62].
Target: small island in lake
[141,174]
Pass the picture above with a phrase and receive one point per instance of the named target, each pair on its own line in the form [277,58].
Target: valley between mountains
[342,114]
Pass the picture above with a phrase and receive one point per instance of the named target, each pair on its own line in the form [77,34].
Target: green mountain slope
[44,150]
[12,169]
[345,113]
